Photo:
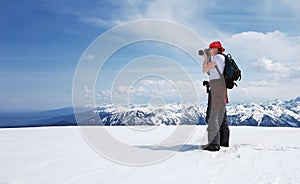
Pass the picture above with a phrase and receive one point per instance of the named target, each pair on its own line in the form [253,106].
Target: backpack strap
[218,70]
[217,65]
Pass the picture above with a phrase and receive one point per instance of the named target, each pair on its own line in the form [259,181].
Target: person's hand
[205,56]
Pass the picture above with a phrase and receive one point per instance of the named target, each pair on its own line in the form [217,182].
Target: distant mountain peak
[295,100]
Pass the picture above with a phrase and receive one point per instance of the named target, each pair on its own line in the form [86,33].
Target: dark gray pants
[218,131]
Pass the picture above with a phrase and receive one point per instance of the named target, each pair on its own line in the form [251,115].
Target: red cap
[216,44]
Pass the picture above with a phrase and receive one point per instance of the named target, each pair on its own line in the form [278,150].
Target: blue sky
[42,41]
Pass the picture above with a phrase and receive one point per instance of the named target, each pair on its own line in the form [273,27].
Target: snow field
[61,155]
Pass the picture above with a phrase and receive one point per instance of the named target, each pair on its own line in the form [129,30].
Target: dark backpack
[231,72]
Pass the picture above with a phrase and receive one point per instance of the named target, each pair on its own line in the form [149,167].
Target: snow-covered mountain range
[275,113]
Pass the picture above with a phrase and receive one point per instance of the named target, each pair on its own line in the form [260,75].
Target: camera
[201,52]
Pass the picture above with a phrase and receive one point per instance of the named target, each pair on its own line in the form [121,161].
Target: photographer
[214,64]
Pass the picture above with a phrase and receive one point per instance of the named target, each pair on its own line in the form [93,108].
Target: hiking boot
[211,147]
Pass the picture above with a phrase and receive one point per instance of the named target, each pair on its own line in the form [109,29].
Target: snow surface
[61,155]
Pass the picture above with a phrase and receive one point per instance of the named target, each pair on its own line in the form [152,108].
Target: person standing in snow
[217,128]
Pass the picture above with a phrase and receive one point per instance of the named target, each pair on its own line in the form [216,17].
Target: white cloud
[252,45]
[170,91]
[263,55]
[88,57]
[187,13]
[275,70]
[262,91]
[256,84]
[104,93]
[149,88]
[269,63]
[98,21]
[103,96]
[167,10]
[124,89]
[88,93]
